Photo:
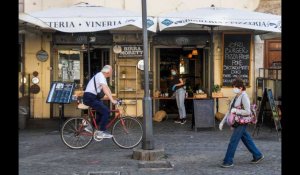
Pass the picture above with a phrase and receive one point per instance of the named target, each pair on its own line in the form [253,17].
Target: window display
[69,65]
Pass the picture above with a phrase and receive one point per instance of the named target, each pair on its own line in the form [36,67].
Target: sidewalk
[41,151]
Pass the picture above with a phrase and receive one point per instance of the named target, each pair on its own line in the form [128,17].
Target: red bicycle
[127,131]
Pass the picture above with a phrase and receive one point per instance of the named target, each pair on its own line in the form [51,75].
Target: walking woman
[239,131]
[177,85]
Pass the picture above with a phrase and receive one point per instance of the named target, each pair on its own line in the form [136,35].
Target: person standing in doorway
[97,84]
[239,130]
[177,86]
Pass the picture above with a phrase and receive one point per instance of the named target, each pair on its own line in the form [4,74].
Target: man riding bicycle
[97,84]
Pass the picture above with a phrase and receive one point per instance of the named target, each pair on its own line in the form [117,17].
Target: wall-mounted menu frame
[60,92]
[237,54]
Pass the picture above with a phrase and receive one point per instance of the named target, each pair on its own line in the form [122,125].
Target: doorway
[191,68]
[99,57]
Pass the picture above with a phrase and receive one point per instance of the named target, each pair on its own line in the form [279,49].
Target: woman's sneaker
[183,121]
[226,165]
[103,134]
[177,120]
[258,160]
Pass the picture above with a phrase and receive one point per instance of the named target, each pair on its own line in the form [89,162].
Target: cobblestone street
[41,151]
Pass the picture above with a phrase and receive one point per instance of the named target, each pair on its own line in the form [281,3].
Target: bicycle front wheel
[127,132]
[74,134]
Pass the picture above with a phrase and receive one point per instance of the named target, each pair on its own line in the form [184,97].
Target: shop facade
[68,55]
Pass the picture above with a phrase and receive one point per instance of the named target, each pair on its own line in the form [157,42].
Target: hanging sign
[42,55]
[131,51]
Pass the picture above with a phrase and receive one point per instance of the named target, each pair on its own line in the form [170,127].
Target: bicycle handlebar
[119,102]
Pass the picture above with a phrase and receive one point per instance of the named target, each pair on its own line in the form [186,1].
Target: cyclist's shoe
[88,129]
[84,123]
[103,134]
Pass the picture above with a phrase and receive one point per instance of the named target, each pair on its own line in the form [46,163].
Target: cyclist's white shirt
[100,79]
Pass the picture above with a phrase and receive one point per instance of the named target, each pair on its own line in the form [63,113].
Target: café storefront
[69,53]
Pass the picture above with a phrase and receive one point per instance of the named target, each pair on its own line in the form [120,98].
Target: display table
[217,102]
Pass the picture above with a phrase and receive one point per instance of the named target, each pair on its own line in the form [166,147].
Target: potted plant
[216,91]
[123,72]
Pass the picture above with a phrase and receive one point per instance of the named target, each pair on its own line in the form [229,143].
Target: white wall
[154,7]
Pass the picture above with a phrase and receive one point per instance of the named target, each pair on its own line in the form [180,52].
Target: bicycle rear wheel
[74,134]
[127,132]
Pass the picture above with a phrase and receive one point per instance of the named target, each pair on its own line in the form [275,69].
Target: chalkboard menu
[204,113]
[60,92]
[268,99]
[273,109]
[236,61]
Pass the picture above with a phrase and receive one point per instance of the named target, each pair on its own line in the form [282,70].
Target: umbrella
[23,17]
[84,17]
[224,18]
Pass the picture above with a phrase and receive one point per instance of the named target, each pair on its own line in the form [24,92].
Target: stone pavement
[41,152]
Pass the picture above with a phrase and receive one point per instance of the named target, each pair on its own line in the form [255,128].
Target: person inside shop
[240,105]
[177,86]
[97,84]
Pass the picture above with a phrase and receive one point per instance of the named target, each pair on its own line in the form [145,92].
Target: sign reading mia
[236,60]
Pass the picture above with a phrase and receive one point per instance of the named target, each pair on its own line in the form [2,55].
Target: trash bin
[23,112]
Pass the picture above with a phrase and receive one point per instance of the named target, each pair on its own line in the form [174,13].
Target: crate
[201,95]
[217,94]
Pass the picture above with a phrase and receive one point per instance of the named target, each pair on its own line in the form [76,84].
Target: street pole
[147,142]
[211,59]
[89,58]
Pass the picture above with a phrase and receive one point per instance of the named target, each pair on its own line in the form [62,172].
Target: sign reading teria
[92,24]
[131,51]
[89,25]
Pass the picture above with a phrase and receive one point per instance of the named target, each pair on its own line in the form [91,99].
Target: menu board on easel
[60,92]
[236,58]
[268,99]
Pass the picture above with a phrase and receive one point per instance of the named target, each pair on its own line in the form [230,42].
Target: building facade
[65,56]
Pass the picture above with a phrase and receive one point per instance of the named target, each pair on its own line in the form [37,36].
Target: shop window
[69,65]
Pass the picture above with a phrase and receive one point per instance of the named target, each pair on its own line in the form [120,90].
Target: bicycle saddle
[82,106]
